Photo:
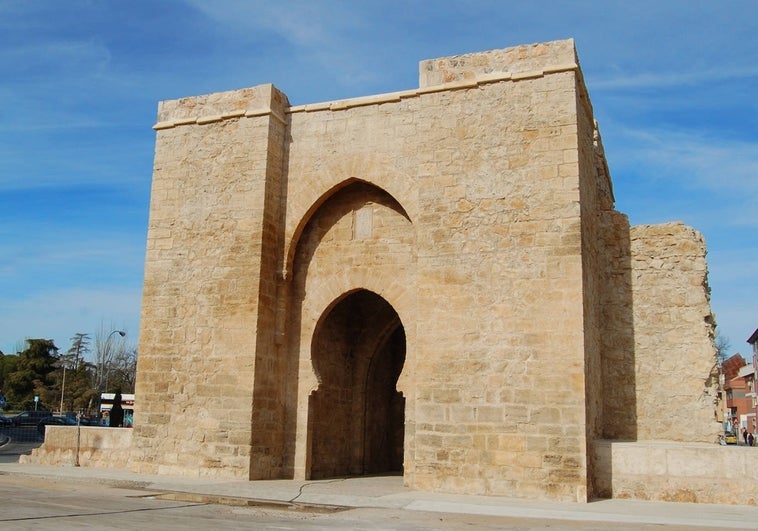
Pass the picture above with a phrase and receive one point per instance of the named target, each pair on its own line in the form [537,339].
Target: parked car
[5,421]
[84,421]
[29,418]
[730,437]
[56,421]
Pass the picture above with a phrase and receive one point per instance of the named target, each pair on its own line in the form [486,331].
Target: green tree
[33,375]
[79,348]
[75,392]
[8,365]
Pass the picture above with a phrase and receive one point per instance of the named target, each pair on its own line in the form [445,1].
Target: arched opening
[356,415]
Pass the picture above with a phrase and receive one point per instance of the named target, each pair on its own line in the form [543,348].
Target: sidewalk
[388,492]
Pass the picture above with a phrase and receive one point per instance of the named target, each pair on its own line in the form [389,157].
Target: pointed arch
[292,245]
[356,414]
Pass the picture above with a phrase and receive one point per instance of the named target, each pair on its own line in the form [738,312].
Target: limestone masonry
[432,282]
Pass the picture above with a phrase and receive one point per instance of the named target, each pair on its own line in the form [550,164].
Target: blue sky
[674,86]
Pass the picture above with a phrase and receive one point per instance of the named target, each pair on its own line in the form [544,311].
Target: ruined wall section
[673,334]
[204,281]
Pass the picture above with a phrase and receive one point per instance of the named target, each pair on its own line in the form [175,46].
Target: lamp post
[106,347]
[103,361]
[63,388]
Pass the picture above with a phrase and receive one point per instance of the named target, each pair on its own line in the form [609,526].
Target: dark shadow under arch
[357,416]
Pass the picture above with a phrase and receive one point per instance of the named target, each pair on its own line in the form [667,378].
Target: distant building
[127,403]
[743,398]
[753,342]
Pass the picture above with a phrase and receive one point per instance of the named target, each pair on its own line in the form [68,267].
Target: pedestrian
[117,412]
[750,439]
[744,434]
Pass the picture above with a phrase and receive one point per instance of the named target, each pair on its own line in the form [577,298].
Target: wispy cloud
[694,158]
[301,23]
[59,314]
[77,60]
[668,79]
[673,85]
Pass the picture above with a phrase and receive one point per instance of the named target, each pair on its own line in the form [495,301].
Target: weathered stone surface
[87,446]
[679,472]
[434,280]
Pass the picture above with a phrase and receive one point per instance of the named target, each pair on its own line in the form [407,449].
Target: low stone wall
[98,447]
[647,470]
[679,472]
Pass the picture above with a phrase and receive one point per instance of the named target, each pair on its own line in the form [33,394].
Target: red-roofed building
[751,380]
[734,390]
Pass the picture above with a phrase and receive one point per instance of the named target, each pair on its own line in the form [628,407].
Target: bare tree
[124,370]
[109,344]
[722,347]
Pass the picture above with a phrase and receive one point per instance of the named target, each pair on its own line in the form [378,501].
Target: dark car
[29,418]
[55,421]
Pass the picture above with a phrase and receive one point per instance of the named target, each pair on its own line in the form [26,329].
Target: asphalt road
[38,502]
[22,441]
[42,503]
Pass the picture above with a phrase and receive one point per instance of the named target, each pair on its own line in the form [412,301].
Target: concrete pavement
[388,492]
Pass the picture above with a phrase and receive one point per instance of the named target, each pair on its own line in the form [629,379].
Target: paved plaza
[47,497]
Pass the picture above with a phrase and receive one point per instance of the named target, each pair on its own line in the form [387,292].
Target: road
[43,503]
[38,502]
[22,441]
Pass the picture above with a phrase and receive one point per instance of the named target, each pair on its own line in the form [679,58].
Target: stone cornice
[497,77]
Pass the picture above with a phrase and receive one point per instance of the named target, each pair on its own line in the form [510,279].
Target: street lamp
[106,346]
[103,360]
[63,387]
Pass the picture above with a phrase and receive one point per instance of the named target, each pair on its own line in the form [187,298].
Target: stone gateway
[432,282]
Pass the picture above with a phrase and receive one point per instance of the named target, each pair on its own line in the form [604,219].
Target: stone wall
[453,249]
[677,472]
[501,404]
[673,335]
[209,289]
[87,446]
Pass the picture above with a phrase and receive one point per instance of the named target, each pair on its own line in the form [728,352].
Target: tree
[722,347]
[108,347]
[33,376]
[124,370]
[8,365]
[79,348]
[75,378]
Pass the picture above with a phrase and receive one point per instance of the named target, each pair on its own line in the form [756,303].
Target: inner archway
[356,415]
